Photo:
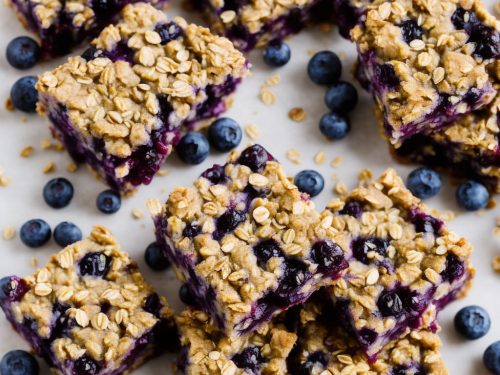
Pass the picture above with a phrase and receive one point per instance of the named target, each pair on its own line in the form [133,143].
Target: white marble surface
[22,200]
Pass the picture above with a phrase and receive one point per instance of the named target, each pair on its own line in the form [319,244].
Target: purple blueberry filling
[347,16]
[249,359]
[86,366]
[168,31]
[329,257]
[454,269]
[191,230]
[313,359]
[352,208]
[411,369]
[410,30]
[94,264]
[425,223]
[228,222]
[275,29]
[362,247]
[266,250]
[255,158]
[215,174]
[62,36]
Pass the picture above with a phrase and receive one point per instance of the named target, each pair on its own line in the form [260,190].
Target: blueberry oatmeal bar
[404,264]
[427,61]
[205,351]
[246,241]
[120,105]
[63,25]
[325,349]
[89,310]
[468,148]
[254,23]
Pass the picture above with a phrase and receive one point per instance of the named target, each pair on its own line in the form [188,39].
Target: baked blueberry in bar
[254,23]
[119,106]
[63,25]
[206,351]
[468,148]
[348,13]
[427,62]
[404,263]
[246,241]
[325,349]
[89,311]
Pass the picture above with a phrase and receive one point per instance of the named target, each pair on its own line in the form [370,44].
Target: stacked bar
[252,249]
[434,71]
[62,26]
[119,107]
[246,241]
[89,310]
[255,23]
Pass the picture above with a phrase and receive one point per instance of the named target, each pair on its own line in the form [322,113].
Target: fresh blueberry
[341,97]
[108,202]
[66,233]
[19,362]
[277,53]
[193,148]
[472,196]
[224,134]
[410,30]
[168,31]
[23,52]
[491,358]
[186,296]
[155,257]
[324,68]
[390,304]
[94,264]
[424,182]
[35,233]
[24,95]
[227,222]
[362,246]
[334,126]
[310,182]
[13,288]
[58,192]
[255,157]
[249,359]
[472,322]
[295,274]
[86,366]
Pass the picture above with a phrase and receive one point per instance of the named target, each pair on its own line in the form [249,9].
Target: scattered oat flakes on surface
[34,262]
[336,162]
[340,188]
[325,27]
[365,175]
[26,152]
[9,106]
[297,114]
[495,263]
[46,144]
[137,213]
[4,180]
[24,119]
[267,96]
[8,233]
[492,203]
[162,172]
[49,167]
[320,158]
[252,131]
[310,51]
[293,155]
[497,8]
[273,80]
[72,167]
[342,55]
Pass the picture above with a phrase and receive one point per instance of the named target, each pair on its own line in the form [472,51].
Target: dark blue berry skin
[277,53]
[66,233]
[23,52]
[94,264]
[249,358]
[341,97]
[410,30]
[334,126]
[35,233]
[19,362]
[324,68]
[491,358]
[193,148]
[472,322]
[310,182]
[424,182]
[472,196]
[155,258]
[24,95]
[86,366]
[108,202]
[224,134]
[58,192]
[186,297]
[168,31]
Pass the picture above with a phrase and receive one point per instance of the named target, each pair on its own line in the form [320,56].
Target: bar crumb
[8,233]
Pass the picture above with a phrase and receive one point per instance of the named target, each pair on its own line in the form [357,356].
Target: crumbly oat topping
[119,101]
[420,349]
[209,352]
[103,335]
[413,258]
[265,205]
[440,62]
